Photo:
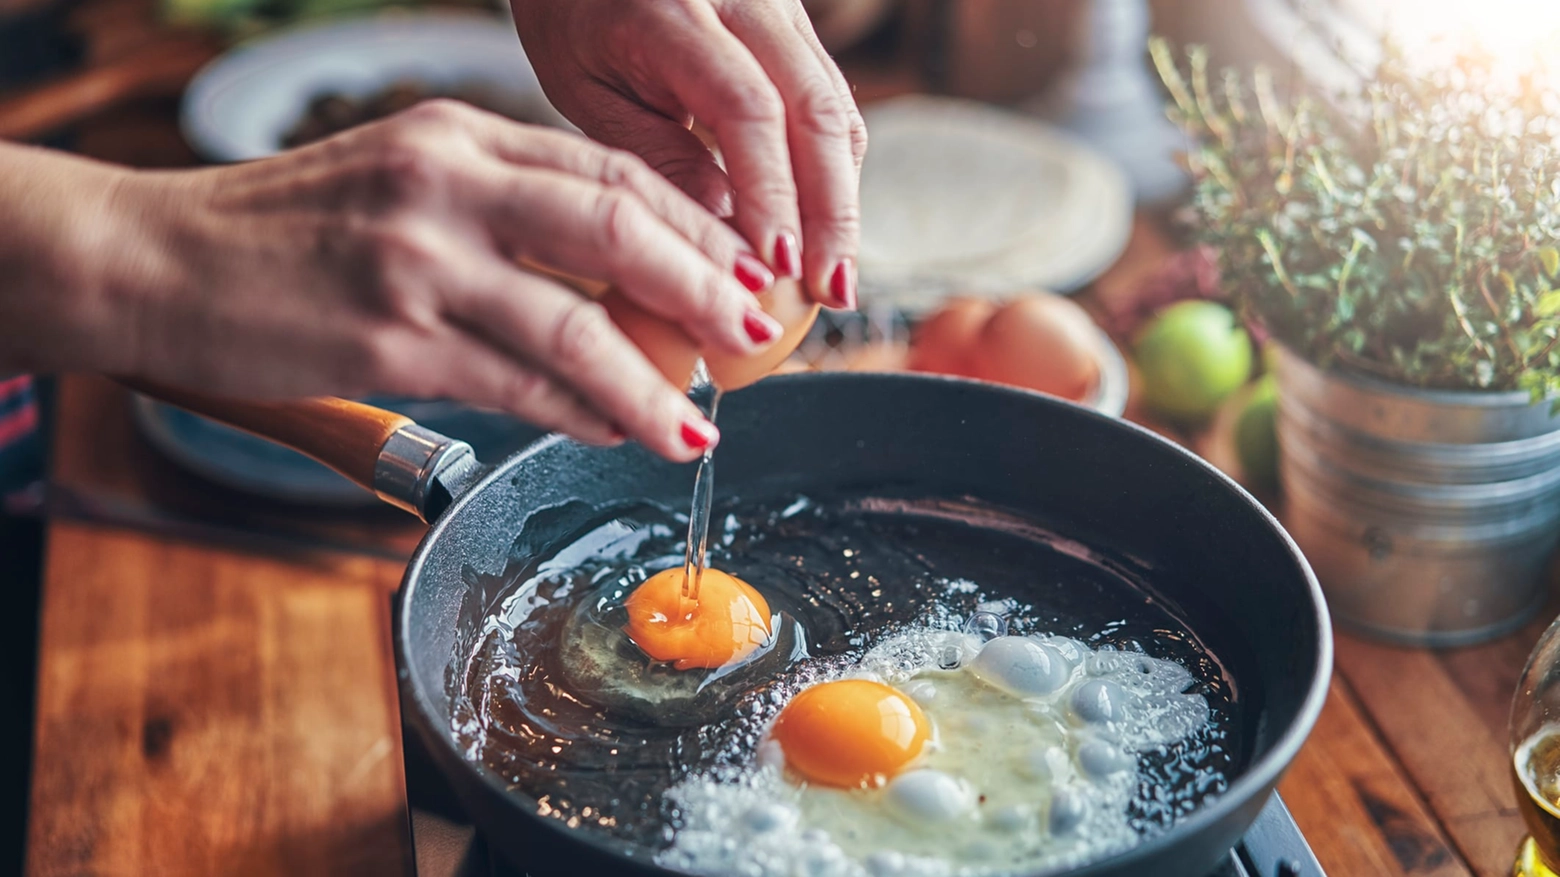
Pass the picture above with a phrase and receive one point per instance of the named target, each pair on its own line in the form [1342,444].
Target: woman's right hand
[384,260]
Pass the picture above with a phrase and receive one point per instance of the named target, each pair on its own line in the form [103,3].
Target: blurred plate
[241,105]
[961,197]
[252,465]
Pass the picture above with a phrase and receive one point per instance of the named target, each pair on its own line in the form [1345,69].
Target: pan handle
[404,464]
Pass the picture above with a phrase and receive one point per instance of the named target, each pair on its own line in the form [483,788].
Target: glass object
[1535,757]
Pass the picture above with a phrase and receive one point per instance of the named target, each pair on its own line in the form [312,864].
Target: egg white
[1032,765]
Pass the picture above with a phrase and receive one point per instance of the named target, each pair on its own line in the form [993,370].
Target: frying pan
[1214,556]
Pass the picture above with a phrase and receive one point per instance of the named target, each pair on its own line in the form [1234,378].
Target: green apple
[1193,354]
[1256,434]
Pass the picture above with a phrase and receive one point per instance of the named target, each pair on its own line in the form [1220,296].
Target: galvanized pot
[1429,515]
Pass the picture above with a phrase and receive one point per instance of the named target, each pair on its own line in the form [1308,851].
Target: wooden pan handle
[346,436]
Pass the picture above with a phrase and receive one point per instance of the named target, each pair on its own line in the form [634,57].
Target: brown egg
[1041,342]
[786,302]
[674,352]
[943,342]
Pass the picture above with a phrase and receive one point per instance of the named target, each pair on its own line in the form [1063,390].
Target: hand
[383,260]
[634,73]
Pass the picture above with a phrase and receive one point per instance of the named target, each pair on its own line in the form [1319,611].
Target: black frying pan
[1217,558]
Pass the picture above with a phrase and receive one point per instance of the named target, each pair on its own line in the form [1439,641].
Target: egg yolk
[850,733]
[727,622]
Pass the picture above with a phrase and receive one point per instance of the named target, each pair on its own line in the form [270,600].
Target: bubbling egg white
[1032,764]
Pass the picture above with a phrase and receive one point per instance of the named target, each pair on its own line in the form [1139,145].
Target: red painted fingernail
[842,284]
[761,327]
[752,273]
[788,255]
[699,434]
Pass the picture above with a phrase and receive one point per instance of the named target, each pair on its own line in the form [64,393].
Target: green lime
[1256,434]
[1193,354]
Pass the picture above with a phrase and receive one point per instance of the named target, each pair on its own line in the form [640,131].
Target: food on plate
[1193,354]
[725,622]
[332,112]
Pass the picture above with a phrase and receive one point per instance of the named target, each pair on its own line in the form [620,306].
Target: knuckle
[440,112]
[407,169]
[858,135]
[843,215]
[710,298]
[620,220]
[580,336]
[823,112]
[622,169]
[755,101]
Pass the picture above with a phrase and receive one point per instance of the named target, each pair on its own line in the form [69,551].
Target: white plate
[241,104]
[959,196]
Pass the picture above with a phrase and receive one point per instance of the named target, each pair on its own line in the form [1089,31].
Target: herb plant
[1407,230]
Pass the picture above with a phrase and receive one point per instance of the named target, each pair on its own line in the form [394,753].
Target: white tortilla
[962,196]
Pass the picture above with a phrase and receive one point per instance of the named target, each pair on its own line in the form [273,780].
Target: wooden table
[212,700]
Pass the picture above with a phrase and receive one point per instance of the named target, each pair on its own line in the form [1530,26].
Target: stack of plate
[963,197]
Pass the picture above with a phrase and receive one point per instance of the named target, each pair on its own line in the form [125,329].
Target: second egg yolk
[727,622]
[851,733]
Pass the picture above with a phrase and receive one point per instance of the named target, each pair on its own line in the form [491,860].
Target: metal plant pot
[1429,515]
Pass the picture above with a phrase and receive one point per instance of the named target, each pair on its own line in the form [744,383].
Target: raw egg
[728,621]
[944,342]
[1041,342]
[851,733]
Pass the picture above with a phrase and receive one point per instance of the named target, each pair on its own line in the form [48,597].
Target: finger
[571,339]
[585,228]
[858,141]
[666,146]
[714,76]
[573,154]
[480,374]
[822,123]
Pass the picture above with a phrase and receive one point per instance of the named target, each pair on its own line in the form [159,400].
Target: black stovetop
[448,847]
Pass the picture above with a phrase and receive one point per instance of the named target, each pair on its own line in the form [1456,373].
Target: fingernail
[752,273]
[699,434]
[788,255]
[842,284]
[761,327]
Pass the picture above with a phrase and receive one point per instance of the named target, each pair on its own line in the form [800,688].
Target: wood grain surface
[202,711]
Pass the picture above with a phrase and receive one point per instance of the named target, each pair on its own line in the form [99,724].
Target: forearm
[64,254]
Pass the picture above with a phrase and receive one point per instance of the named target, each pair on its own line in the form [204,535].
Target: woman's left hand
[635,73]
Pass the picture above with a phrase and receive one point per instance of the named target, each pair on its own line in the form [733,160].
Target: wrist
[65,304]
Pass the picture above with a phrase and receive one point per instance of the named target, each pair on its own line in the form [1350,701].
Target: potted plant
[1399,243]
